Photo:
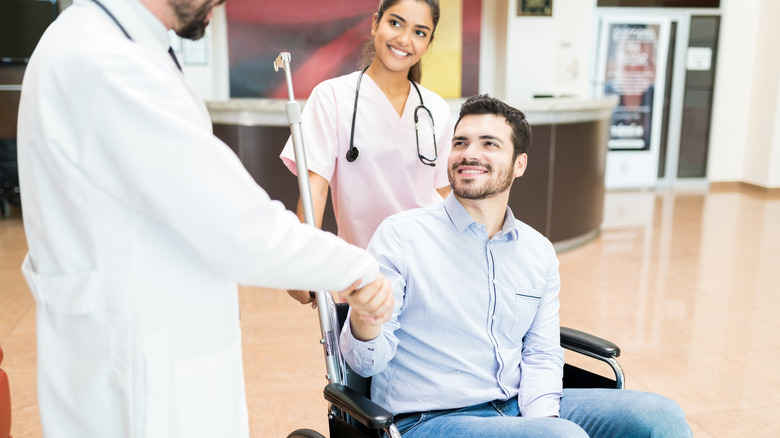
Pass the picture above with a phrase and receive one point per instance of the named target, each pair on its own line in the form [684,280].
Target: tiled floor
[688,284]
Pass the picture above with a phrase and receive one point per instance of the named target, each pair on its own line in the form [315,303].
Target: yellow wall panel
[442,64]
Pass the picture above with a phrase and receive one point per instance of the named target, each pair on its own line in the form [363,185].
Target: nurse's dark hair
[485,105]
[415,73]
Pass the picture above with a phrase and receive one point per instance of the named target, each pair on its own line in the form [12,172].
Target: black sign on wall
[534,7]
[661,3]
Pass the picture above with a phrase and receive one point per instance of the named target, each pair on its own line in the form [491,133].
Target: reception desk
[561,193]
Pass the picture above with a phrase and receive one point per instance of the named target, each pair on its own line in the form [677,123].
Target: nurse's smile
[398,52]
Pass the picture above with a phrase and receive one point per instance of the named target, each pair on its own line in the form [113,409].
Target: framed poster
[534,7]
[632,61]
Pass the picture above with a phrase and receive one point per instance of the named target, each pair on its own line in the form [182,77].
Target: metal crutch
[326,306]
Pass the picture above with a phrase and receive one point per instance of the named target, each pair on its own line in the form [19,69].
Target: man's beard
[193,23]
[497,184]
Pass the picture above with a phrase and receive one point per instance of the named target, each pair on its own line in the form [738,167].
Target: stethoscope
[122,28]
[353,152]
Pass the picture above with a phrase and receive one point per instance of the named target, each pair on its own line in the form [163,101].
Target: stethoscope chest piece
[352,154]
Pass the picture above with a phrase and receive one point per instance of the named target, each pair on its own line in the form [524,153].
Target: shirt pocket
[526,303]
[78,293]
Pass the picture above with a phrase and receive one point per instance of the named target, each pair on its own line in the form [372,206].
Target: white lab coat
[140,223]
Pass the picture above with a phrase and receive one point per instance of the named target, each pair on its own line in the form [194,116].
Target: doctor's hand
[371,306]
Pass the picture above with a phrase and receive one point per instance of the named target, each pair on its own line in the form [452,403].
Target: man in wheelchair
[472,348]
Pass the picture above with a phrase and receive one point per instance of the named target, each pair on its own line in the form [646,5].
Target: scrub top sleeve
[150,147]
[319,126]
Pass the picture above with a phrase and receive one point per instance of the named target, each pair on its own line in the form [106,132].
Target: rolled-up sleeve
[367,358]
[541,386]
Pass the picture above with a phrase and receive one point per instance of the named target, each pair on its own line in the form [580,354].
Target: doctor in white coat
[140,223]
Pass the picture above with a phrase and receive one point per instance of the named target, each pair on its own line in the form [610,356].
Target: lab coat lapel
[141,34]
[134,24]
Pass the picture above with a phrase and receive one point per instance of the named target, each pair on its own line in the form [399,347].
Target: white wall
[549,55]
[211,80]
[763,106]
[762,145]
[774,159]
[492,48]
[736,56]
[745,133]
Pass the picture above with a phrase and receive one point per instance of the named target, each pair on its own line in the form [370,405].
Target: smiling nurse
[359,129]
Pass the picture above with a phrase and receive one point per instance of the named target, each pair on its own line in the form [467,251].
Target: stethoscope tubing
[118,24]
[124,31]
[353,152]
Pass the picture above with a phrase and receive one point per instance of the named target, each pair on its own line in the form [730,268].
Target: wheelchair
[351,413]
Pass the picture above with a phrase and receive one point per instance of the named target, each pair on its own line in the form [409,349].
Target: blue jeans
[584,412]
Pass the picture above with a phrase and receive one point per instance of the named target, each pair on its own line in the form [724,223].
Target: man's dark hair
[483,104]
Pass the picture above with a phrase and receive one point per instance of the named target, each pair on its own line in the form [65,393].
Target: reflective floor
[686,283]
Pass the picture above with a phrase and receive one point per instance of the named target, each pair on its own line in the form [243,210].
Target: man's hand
[371,306]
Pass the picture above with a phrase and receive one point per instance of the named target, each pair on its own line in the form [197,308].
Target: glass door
[684,87]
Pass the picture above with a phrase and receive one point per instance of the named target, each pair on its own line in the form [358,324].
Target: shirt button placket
[493,309]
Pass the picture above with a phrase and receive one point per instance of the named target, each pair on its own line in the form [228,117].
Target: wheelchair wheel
[305,433]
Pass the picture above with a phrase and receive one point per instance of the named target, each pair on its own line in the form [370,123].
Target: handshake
[370,305]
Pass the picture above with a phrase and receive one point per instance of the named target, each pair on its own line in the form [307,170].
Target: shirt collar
[153,23]
[510,228]
[462,220]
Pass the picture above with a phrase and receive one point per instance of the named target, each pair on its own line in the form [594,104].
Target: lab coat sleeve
[319,130]
[146,144]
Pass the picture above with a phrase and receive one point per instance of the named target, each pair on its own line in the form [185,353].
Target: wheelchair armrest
[358,406]
[585,343]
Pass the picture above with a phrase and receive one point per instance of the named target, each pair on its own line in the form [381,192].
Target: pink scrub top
[387,177]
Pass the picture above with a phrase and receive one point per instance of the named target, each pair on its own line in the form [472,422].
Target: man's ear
[521,162]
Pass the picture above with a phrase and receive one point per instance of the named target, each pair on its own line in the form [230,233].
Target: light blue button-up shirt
[475,319]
